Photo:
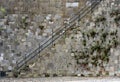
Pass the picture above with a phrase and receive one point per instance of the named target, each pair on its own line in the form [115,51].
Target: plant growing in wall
[100,19]
[23,22]
[2,11]
[117,19]
[115,12]
[41,27]
[92,33]
[100,46]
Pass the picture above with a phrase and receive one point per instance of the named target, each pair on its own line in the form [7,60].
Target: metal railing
[79,15]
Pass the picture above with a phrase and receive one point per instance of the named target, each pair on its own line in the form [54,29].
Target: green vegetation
[96,45]
[115,12]
[3,10]
[100,19]
[117,19]
[24,23]
[16,73]
[1,29]
[41,27]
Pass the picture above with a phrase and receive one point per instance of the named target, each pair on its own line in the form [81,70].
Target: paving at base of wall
[63,79]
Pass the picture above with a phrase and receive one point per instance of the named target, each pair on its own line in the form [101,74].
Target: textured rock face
[24,25]
[22,28]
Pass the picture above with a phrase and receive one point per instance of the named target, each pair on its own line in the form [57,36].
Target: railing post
[25,59]
[66,23]
[52,36]
[65,29]
[17,64]
[39,47]
[39,50]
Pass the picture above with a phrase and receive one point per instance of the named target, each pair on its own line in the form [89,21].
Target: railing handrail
[59,32]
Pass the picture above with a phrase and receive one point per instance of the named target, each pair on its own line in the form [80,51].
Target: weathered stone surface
[23,32]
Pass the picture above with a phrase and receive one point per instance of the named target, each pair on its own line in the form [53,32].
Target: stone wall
[90,49]
[24,24]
